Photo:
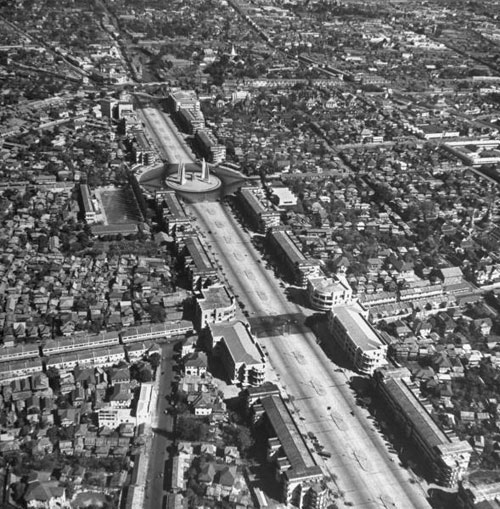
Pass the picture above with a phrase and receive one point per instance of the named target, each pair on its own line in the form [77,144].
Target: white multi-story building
[447,456]
[361,344]
[214,305]
[324,293]
[239,352]
[145,404]
[113,417]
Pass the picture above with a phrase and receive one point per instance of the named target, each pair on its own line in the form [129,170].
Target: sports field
[119,206]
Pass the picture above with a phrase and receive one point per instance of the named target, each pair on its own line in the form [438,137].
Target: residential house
[196,364]
[45,494]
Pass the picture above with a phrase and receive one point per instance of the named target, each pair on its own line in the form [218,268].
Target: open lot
[119,206]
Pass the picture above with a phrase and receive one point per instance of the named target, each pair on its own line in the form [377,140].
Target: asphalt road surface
[157,481]
[365,472]
[168,140]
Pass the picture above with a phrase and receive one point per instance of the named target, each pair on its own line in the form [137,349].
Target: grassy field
[120,206]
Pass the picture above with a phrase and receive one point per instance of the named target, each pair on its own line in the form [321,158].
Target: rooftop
[198,254]
[358,328]
[294,447]
[159,328]
[184,96]
[249,195]
[288,246]
[327,285]
[174,206]
[239,342]
[284,195]
[110,229]
[483,491]
[418,415]
[87,202]
[215,297]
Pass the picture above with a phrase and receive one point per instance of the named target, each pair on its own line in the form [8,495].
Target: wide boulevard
[169,141]
[366,473]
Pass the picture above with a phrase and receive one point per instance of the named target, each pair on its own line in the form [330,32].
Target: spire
[182,174]
[205,174]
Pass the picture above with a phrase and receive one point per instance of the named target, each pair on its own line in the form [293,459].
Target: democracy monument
[193,181]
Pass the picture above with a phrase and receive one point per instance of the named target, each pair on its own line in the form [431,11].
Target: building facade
[87,207]
[447,456]
[239,352]
[214,305]
[176,222]
[209,147]
[261,214]
[300,477]
[201,270]
[351,331]
[286,250]
[324,293]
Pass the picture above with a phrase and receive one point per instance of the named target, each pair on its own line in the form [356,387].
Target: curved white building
[324,293]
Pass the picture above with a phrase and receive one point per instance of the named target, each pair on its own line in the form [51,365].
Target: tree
[382,193]
[157,313]
[191,429]
[141,372]
[154,359]
[54,378]
[239,436]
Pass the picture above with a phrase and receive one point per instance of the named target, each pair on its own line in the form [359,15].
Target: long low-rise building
[475,152]
[146,403]
[368,300]
[157,331]
[361,344]
[288,252]
[448,457]
[190,121]
[99,349]
[102,230]
[200,268]
[261,213]
[17,352]
[240,353]
[209,147]
[421,292]
[177,222]
[13,370]
[57,346]
[86,204]
[144,152]
[300,477]
[106,356]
